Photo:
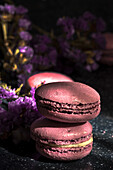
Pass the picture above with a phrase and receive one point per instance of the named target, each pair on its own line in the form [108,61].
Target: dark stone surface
[101,156]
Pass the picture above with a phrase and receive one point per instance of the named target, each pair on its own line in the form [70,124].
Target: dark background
[46,12]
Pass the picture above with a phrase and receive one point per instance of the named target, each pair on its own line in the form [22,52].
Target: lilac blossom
[7,93]
[27,51]
[67,24]
[21,10]
[25,35]
[81,24]
[28,68]
[88,16]
[8,8]
[100,25]
[1,8]
[32,92]
[22,78]
[91,67]
[24,23]
[45,52]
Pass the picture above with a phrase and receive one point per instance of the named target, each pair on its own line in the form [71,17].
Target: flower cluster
[15,43]
[15,110]
[45,53]
[81,40]
[77,46]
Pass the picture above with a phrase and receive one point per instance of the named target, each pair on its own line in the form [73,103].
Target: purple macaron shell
[68,101]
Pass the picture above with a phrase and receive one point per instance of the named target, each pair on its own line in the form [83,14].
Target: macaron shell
[107,57]
[66,155]
[109,40]
[68,92]
[48,129]
[69,118]
[47,77]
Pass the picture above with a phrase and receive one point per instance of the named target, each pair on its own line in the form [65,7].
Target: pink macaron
[46,77]
[62,141]
[107,53]
[70,102]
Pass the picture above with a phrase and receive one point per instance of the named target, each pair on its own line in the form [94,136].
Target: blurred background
[45,13]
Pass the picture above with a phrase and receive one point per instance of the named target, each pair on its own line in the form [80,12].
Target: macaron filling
[79,108]
[70,150]
[64,148]
[83,141]
[65,142]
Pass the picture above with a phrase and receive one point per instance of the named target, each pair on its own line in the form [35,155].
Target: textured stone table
[101,156]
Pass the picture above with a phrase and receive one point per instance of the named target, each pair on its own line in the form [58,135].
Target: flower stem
[4,27]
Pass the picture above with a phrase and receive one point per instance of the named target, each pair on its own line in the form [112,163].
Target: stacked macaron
[46,77]
[107,53]
[64,132]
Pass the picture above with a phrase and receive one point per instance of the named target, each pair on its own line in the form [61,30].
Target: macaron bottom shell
[64,154]
[66,117]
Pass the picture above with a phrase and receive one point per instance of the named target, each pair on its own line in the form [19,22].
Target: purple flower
[92,67]
[64,46]
[32,91]
[28,68]
[41,39]
[21,10]
[43,61]
[100,25]
[67,24]
[40,48]
[9,8]
[27,51]
[31,112]
[22,78]
[24,23]
[25,35]
[7,93]
[16,106]
[5,123]
[1,8]
[81,24]
[79,56]
[98,55]
[52,55]
[88,16]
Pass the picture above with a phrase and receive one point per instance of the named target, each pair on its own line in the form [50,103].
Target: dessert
[62,141]
[70,102]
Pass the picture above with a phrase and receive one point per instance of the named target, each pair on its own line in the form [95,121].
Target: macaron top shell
[47,77]
[68,92]
[48,129]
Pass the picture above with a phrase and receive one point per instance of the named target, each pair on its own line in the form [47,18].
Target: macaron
[107,53]
[46,77]
[109,40]
[70,102]
[62,141]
